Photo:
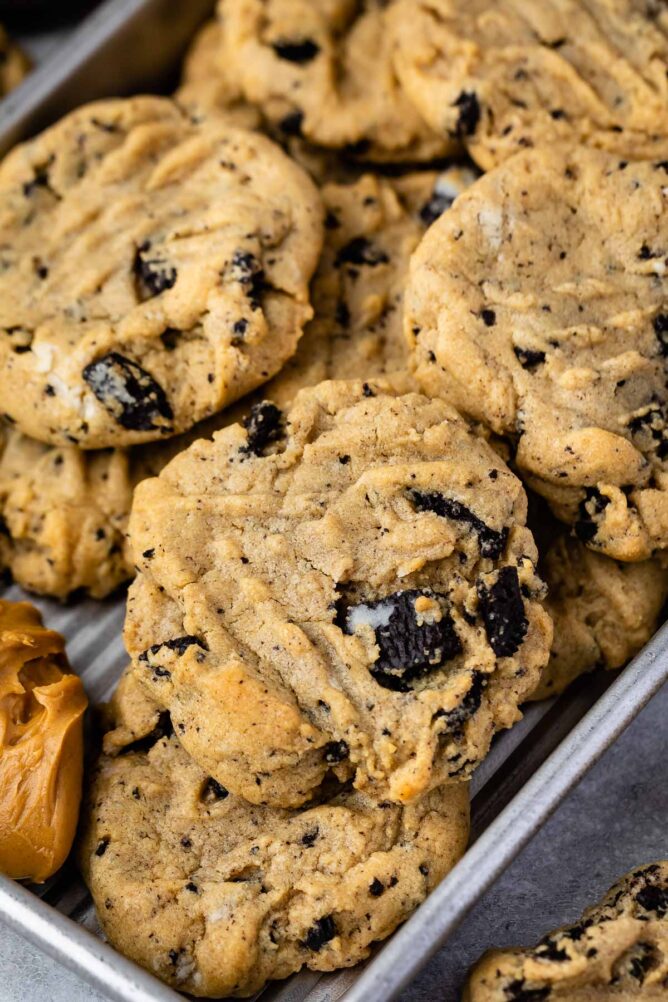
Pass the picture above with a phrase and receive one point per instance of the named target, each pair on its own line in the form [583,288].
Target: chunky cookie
[217,896]
[63,514]
[617,952]
[14,63]
[371,229]
[537,304]
[153,270]
[323,69]
[603,611]
[42,707]
[503,75]
[349,584]
[207,82]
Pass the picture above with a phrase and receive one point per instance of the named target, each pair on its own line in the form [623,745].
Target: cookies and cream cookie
[64,513]
[603,611]
[154,270]
[504,75]
[217,896]
[617,952]
[537,304]
[41,745]
[372,227]
[349,584]
[322,69]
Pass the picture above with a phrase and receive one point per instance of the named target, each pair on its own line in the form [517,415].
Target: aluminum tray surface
[130,45]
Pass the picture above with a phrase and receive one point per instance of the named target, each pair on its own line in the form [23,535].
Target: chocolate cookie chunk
[334,606]
[324,70]
[137,243]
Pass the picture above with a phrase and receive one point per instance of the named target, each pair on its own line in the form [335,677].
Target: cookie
[617,952]
[154,270]
[372,228]
[322,69]
[537,304]
[63,514]
[14,63]
[207,82]
[347,585]
[216,896]
[42,707]
[603,611]
[503,75]
[210,86]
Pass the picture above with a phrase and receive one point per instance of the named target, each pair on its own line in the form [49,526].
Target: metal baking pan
[135,45]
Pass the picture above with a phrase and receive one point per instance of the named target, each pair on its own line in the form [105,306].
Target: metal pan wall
[131,46]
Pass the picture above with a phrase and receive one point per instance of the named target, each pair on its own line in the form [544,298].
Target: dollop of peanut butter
[42,706]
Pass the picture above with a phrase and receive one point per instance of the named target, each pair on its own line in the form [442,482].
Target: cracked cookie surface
[183,233]
[537,304]
[617,952]
[349,586]
[503,75]
[325,67]
[216,896]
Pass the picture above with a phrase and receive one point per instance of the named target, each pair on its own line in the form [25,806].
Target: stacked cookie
[347,361]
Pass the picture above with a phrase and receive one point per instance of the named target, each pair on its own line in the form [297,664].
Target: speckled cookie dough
[323,69]
[217,896]
[538,304]
[348,585]
[371,229]
[153,270]
[207,82]
[503,75]
[603,611]
[63,514]
[14,63]
[617,952]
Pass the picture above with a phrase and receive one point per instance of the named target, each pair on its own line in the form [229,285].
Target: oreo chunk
[491,541]
[296,50]
[361,251]
[321,932]
[247,270]
[264,424]
[515,991]
[153,274]
[660,324]
[410,647]
[469,114]
[528,358]
[129,393]
[212,791]
[593,504]
[178,644]
[162,729]
[503,613]
[654,899]
[469,705]
[335,752]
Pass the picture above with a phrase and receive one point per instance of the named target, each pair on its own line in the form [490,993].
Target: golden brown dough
[41,745]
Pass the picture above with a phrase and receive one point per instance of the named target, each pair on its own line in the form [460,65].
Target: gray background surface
[615,819]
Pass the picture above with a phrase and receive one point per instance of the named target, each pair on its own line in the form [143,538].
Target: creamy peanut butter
[41,745]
